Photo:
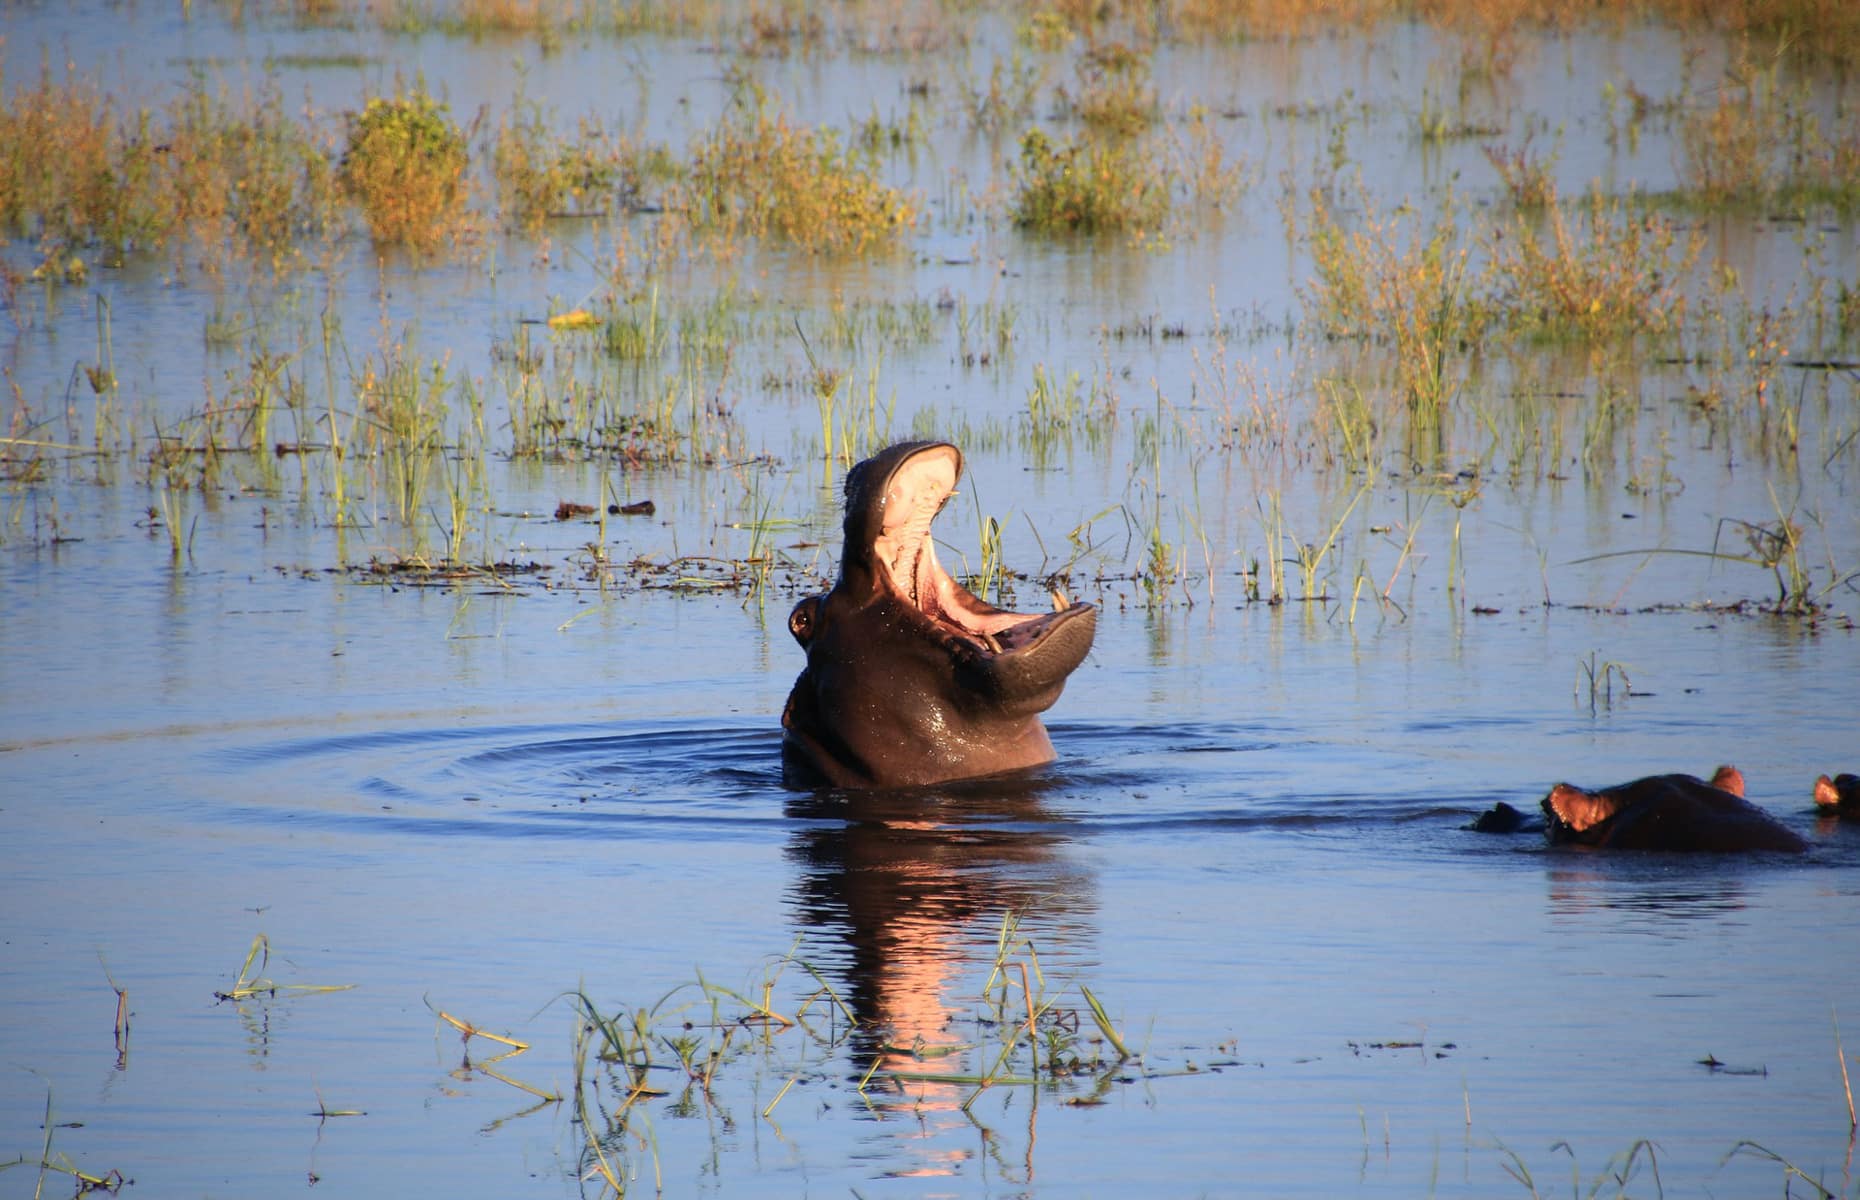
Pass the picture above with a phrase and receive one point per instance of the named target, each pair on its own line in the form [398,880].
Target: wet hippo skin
[912,679]
[1667,812]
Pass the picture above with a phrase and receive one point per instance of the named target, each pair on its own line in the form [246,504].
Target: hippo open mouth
[911,678]
[905,555]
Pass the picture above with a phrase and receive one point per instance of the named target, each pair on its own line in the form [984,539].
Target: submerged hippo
[1839,796]
[1666,812]
[910,678]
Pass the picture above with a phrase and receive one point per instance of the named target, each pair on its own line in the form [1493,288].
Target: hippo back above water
[1667,812]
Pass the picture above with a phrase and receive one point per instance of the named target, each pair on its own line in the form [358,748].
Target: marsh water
[520,794]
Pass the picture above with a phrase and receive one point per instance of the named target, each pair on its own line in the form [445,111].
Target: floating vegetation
[111,1181]
[484,1066]
[251,983]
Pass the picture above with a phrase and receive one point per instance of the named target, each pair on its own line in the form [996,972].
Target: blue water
[487,797]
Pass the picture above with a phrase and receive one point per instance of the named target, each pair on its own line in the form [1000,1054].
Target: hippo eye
[803,621]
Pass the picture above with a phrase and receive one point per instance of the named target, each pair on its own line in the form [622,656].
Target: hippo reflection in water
[911,679]
[1667,812]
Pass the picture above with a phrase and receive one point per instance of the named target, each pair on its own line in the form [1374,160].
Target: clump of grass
[1008,96]
[1528,177]
[1816,30]
[74,170]
[1759,146]
[760,175]
[1408,289]
[1619,1171]
[540,175]
[1060,409]
[1088,186]
[402,404]
[1240,20]
[1115,94]
[405,165]
[1593,270]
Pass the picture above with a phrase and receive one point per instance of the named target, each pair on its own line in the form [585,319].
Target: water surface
[480,797]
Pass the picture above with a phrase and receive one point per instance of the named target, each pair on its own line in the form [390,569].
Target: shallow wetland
[421,417]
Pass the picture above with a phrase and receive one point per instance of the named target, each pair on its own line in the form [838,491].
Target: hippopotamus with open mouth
[912,679]
[1667,812]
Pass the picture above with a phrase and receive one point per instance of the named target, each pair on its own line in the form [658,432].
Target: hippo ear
[1729,779]
[1825,795]
[804,621]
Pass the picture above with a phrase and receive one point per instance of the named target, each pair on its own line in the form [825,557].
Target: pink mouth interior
[915,494]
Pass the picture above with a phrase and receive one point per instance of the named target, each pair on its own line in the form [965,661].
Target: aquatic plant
[1008,97]
[1022,1033]
[405,165]
[1762,144]
[758,174]
[1407,288]
[402,400]
[251,984]
[1594,270]
[75,170]
[1790,1171]
[513,1047]
[1618,1172]
[1528,176]
[1088,186]
[540,175]
[1114,94]
[111,1181]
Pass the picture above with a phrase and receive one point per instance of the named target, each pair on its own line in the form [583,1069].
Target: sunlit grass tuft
[1088,186]
[1595,269]
[405,166]
[758,174]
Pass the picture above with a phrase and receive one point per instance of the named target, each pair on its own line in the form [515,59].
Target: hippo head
[1839,795]
[911,678]
[1667,812]
[1578,815]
